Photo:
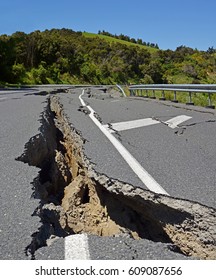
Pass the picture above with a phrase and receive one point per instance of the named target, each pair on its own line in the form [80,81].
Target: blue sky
[168,23]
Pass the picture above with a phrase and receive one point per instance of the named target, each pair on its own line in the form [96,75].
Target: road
[19,122]
[175,157]
[172,145]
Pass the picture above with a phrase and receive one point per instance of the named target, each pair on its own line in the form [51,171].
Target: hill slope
[66,56]
[115,40]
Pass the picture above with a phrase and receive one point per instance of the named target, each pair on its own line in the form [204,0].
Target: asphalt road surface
[173,144]
[181,159]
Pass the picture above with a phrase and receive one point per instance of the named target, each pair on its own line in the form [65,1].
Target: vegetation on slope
[119,39]
[66,56]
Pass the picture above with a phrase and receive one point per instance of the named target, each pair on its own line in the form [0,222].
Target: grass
[115,40]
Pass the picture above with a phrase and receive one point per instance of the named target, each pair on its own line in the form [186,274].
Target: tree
[189,70]
[147,79]
[32,49]
[60,55]
[18,73]
[211,50]
[139,41]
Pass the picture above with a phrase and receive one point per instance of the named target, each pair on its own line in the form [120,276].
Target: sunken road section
[74,199]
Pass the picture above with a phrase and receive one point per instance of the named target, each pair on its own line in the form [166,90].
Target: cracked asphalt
[182,160]
[123,248]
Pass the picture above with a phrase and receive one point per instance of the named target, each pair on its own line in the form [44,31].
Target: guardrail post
[132,92]
[163,96]
[175,100]
[140,92]
[210,102]
[153,96]
[190,99]
[146,95]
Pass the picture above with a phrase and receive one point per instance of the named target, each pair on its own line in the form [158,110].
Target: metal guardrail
[191,89]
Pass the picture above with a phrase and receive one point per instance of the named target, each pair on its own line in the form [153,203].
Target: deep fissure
[75,199]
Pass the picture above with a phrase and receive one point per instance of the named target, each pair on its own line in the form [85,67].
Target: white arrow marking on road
[143,175]
[172,123]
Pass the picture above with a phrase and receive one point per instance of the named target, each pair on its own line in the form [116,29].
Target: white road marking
[120,126]
[81,100]
[76,247]
[173,123]
[143,175]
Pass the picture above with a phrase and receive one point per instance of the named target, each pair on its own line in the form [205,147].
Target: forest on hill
[66,56]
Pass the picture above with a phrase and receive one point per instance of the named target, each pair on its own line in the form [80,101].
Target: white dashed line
[173,123]
[121,126]
[76,247]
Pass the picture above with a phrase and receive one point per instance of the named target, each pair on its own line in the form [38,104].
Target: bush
[18,73]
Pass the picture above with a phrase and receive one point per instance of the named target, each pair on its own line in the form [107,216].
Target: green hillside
[66,56]
[114,40]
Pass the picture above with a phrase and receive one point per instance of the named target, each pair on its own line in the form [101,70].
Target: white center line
[143,175]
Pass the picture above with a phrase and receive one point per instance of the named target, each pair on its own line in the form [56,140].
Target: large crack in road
[74,198]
